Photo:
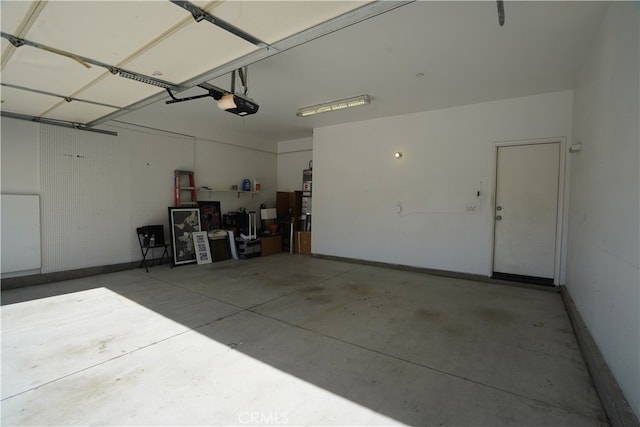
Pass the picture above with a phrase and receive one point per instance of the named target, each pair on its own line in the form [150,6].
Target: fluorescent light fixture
[339,104]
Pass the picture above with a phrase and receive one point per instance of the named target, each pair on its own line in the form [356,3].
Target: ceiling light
[339,104]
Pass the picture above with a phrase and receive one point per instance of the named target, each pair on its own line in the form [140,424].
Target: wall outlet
[471,207]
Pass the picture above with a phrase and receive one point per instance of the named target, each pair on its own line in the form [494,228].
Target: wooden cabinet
[288,209]
[289,204]
[271,245]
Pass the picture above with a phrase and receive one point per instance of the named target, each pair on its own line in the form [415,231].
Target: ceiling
[408,57]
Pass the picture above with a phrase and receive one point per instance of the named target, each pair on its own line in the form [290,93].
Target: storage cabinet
[288,209]
[289,204]
[271,245]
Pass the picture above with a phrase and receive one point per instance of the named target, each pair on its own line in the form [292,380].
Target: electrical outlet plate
[471,207]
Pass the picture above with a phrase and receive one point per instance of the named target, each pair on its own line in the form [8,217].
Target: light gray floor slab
[515,339]
[289,340]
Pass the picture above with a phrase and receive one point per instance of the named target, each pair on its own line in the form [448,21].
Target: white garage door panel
[20,232]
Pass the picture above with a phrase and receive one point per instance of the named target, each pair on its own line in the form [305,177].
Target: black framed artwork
[183,222]
[210,215]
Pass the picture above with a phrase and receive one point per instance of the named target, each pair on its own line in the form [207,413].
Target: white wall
[447,159]
[220,165]
[96,189]
[604,232]
[293,158]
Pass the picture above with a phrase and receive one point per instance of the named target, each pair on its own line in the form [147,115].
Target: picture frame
[203,251]
[210,215]
[183,222]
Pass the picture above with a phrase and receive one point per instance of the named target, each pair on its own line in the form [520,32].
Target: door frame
[559,258]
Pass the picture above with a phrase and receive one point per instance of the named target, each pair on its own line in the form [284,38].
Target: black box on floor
[248,248]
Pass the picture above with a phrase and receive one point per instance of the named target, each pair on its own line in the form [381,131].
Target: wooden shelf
[238,192]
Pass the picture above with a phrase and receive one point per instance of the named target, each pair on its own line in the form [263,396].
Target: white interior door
[527,178]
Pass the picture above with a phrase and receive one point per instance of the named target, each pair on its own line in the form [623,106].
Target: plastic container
[246,185]
[257,185]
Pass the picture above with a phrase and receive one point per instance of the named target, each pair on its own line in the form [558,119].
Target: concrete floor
[290,340]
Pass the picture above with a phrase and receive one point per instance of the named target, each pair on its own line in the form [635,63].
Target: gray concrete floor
[290,340]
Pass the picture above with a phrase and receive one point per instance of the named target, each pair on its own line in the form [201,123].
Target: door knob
[498,218]
[498,208]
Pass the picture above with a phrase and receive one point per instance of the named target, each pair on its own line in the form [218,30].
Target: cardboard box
[303,242]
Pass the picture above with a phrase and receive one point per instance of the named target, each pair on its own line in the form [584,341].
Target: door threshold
[534,280]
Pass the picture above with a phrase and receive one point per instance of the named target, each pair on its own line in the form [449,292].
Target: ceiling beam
[61,123]
[201,15]
[57,95]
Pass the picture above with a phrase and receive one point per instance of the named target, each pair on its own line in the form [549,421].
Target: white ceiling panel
[193,50]
[272,21]
[106,31]
[4,46]
[12,14]
[23,102]
[156,39]
[47,71]
[117,91]
[78,112]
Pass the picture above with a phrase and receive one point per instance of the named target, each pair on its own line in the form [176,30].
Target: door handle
[498,218]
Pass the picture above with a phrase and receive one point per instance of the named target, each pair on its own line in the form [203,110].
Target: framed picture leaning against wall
[183,222]
[203,251]
[210,215]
